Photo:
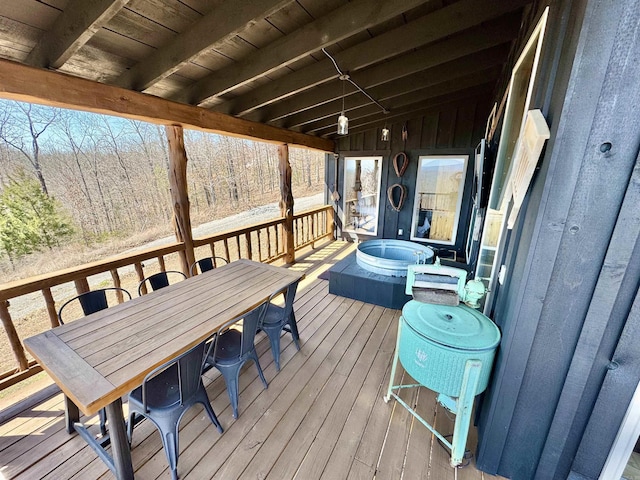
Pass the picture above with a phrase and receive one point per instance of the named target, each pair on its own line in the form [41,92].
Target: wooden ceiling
[262,60]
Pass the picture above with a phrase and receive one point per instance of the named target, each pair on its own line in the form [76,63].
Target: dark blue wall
[569,308]
[450,129]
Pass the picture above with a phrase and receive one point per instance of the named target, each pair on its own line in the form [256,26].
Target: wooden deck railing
[261,242]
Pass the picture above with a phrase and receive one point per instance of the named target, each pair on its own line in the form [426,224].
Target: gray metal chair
[232,348]
[92,302]
[166,394]
[206,264]
[277,319]
[160,280]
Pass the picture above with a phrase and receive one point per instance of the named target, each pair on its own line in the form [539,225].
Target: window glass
[361,194]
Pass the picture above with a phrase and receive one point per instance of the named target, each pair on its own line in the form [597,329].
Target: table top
[105,355]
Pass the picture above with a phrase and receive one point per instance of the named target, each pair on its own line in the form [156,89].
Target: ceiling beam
[35,85]
[352,18]
[79,21]
[443,76]
[414,35]
[380,82]
[407,99]
[225,21]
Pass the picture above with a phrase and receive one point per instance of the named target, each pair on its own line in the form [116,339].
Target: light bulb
[343,124]
[385,135]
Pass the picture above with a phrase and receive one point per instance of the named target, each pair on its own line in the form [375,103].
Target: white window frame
[416,199]
[347,195]
[496,192]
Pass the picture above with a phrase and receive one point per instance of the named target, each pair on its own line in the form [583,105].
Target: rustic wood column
[286,203]
[180,194]
[14,339]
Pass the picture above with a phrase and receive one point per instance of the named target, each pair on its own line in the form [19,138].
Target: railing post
[247,238]
[331,222]
[51,307]
[116,283]
[82,285]
[140,272]
[286,203]
[179,194]
[14,340]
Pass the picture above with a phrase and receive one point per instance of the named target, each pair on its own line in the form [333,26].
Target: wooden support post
[286,203]
[51,307]
[180,194]
[14,340]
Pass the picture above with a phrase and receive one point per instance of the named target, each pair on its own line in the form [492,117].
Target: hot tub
[391,257]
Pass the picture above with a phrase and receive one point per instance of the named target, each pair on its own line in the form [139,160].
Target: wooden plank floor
[322,416]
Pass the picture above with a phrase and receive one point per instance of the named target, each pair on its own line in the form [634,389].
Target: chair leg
[103,421]
[231,375]
[274,340]
[130,424]
[293,325]
[204,400]
[254,356]
[170,443]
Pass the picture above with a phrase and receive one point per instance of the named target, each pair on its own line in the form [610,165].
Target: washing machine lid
[457,327]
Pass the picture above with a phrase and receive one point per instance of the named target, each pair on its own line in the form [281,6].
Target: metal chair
[206,264]
[166,394]
[277,319]
[91,302]
[159,280]
[232,348]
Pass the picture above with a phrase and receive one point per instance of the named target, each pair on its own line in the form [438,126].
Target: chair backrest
[250,322]
[206,264]
[189,375]
[289,297]
[160,280]
[92,301]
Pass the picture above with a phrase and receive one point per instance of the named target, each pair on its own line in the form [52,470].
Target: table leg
[120,449]
[71,414]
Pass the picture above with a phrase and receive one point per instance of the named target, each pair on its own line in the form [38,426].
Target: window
[361,194]
[436,206]
[520,92]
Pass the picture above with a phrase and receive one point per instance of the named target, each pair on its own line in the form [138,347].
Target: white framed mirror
[438,198]
[361,193]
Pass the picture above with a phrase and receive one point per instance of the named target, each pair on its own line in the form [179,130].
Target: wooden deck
[322,416]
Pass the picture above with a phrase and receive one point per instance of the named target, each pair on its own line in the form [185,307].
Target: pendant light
[343,121]
[385,134]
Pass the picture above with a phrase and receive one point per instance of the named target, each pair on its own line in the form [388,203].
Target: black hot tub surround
[348,279]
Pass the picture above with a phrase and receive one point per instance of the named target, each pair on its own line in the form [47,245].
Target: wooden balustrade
[262,242]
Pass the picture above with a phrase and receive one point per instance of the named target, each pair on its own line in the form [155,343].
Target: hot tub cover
[458,327]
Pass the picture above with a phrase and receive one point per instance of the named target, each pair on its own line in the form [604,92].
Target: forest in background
[102,181]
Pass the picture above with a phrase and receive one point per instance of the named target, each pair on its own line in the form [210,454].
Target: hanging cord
[345,76]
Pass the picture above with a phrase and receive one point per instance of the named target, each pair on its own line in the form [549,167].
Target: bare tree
[21,126]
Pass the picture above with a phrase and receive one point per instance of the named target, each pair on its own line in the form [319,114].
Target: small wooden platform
[322,416]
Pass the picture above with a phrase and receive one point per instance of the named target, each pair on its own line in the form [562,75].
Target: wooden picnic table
[101,357]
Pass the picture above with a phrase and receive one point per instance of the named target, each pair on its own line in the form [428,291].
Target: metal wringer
[445,346]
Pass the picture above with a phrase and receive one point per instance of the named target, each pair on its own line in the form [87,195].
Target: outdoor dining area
[322,416]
